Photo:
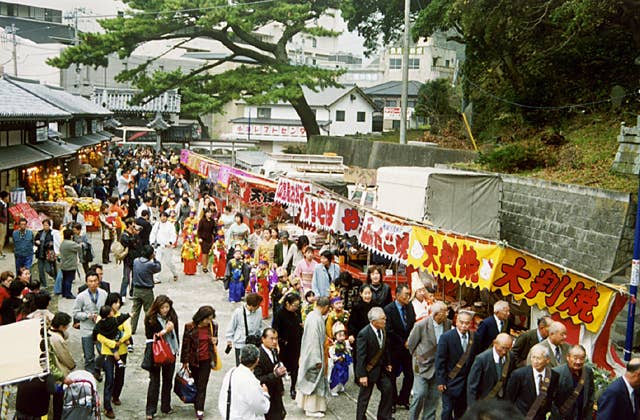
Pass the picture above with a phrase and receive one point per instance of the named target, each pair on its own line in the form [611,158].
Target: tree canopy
[271,79]
[531,57]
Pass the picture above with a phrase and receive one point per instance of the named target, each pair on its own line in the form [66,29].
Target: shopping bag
[162,354]
[184,387]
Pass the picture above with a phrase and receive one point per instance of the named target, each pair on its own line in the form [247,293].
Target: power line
[541,107]
[195,9]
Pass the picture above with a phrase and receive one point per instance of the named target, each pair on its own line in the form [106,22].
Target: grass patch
[393,136]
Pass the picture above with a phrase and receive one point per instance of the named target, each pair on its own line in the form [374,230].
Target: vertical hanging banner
[348,220]
[291,192]
[319,212]
[386,238]
[223,175]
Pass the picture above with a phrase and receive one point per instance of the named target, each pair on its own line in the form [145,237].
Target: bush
[514,157]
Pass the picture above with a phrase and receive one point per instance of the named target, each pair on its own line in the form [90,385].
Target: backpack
[87,252]
[119,251]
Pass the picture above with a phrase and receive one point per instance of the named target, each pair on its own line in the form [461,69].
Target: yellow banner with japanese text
[489,266]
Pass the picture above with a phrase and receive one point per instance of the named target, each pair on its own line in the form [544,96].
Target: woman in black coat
[44,243]
[288,323]
[381,291]
[358,319]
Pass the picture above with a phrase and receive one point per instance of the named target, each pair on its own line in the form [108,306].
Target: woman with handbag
[161,321]
[45,253]
[199,354]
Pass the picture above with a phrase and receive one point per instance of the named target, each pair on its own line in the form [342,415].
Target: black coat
[145,232]
[397,332]
[381,296]
[565,390]
[47,244]
[484,375]
[367,348]
[358,318]
[523,344]
[448,353]
[264,373]
[614,403]
[521,390]
[487,331]
[289,327]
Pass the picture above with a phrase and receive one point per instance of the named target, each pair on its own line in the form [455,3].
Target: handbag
[185,387]
[147,358]
[162,354]
[50,255]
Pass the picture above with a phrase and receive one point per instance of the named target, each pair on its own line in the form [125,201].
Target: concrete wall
[583,228]
[375,154]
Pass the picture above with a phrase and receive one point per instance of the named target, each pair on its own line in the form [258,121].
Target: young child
[218,250]
[190,252]
[337,315]
[235,276]
[308,304]
[339,359]
[260,284]
[279,289]
[107,326]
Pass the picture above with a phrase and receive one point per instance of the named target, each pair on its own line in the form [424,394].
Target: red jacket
[190,341]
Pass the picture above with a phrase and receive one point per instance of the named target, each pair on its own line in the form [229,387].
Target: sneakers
[130,348]
[314,414]
[121,364]
[334,393]
[124,300]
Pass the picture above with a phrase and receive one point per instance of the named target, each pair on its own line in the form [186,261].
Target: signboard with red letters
[385,238]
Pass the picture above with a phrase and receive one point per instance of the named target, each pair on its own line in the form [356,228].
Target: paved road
[189,293]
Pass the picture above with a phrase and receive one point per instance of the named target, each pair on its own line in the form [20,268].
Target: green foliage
[271,79]
[515,157]
[434,103]
[296,149]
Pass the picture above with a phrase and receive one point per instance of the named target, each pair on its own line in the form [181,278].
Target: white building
[339,111]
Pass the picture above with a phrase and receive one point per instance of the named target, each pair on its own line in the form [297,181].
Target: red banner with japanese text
[291,192]
[489,266]
[251,191]
[319,212]
[385,238]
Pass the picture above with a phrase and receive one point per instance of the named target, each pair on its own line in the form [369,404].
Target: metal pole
[14,54]
[405,74]
[76,42]
[633,284]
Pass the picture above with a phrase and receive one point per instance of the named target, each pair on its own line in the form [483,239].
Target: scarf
[171,338]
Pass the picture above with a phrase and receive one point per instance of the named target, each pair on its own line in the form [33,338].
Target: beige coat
[64,360]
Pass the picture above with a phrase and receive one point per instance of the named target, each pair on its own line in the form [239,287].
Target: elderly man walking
[423,344]
[312,384]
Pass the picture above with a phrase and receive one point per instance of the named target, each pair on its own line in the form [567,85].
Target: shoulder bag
[254,339]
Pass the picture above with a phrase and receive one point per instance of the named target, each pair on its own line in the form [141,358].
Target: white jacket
[163,234]
[248,400]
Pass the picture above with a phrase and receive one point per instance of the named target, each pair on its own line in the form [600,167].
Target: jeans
[126,278]
[166,373]
[142,298]
[201,375]
[23,261]
[67,279]
[106,248]
[57,286]
[109,376]
[43,265]
[91,364]
[118,382]
[425,398]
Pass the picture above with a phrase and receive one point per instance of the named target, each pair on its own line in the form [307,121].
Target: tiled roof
[330,95]
[74,104]
[19,155]
[87,140]
[118,100]
[55,148]
[18,104]
[392,88]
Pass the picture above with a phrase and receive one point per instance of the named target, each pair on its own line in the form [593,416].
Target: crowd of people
[327,328]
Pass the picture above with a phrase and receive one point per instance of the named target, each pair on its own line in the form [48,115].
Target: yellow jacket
[108,344]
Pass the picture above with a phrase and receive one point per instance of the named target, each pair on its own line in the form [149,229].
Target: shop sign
[349,219]
[319,212]
[385,238]
[291,192]
[489,266]
[270,130]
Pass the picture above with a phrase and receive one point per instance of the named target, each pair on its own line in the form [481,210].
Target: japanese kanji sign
[319,212]
[250,191]
[385,238]
[291,192]
[547,286]
[467,262]
[489,266]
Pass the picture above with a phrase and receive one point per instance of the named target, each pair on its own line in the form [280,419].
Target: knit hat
[335,299]
[337,327]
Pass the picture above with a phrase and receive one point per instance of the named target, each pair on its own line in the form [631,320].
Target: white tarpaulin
[20,353]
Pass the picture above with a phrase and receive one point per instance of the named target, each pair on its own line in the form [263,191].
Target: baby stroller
[81,400]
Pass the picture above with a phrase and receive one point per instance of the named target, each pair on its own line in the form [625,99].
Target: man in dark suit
[423,344]
[454,358]
[97,268]
[270,372]
[490,371]
[532,388]
[373,366]
[400,320]
[526,340]
[143,222]
[491,326]
[574,397]
[621,399]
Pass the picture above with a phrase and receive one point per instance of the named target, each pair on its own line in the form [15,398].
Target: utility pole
[405,74]
[76,41]
[14,54]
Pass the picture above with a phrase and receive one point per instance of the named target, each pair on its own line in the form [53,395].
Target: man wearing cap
[284,252]
[163,238]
